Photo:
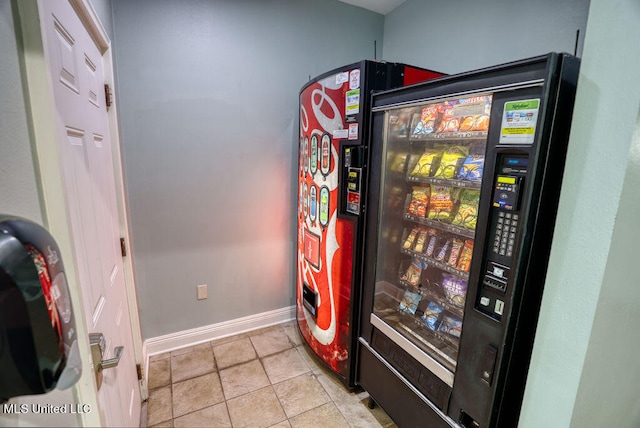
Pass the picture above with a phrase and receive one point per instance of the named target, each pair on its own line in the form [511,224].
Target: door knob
[98,343]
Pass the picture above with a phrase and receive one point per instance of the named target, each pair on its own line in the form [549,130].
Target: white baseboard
[186,338]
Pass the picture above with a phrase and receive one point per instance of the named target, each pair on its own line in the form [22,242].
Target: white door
[76,66]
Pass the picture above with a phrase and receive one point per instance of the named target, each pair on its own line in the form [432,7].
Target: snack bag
[412,276]
[452,157]
[472,168]
[419,201]
[474,113]
[467,215]
[426,164]
[449,123]
[398,162]
[440,203]
[467,123]
[409,302]
[455,290]
[451,325]
[398,124]
[422,237]
[408,243]
[431,314]
[480,123]
[427,121]
[464,260]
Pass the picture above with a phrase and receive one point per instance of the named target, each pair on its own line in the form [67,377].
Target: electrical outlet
[202,291]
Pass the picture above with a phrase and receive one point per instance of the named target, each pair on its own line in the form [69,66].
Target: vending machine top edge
[333,136]
[464,179]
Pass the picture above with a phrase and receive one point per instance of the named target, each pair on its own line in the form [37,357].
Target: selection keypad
[505,238]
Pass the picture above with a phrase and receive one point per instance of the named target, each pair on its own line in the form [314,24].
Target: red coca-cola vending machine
[334,115]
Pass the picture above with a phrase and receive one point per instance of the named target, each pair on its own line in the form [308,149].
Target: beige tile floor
[265,378]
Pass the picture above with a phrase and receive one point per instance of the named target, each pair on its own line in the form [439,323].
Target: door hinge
[123,247]
[139,371]
[107,95]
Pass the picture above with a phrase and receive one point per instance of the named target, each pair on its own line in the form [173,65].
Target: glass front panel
[429,205]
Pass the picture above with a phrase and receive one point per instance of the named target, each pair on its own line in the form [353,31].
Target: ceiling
[381,6]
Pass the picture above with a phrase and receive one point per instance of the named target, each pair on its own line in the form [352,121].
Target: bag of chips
[422,238]
[472,168]
[398,161]
[427,120]
[409,302]
[426,165]
[413,273]
[455,290]
[419,201]
[451,325]
[467,214]
[440,203]
[467,123]
[480,123]
[431,314]
[398,124]
[449,123]
[451,160]
[408,243]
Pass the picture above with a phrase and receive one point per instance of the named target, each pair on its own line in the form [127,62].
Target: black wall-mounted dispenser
[38,339]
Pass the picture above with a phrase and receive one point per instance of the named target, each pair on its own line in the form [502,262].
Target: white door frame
[41,115]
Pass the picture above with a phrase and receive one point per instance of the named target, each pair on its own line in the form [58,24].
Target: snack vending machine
[464,180]
[334,114]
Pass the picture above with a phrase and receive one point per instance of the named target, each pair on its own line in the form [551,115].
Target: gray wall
[208,94]
[584,369]
[103,9]
[18,188]
[460,35]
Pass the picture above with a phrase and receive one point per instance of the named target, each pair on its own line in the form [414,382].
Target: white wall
[208,99]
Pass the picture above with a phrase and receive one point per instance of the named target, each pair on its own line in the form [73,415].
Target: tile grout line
[313,369]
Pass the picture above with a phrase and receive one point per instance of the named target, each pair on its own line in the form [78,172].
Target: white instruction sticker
[342,77]
[340,133]
[353,131]
[519,121]
[352,101]
[354,79]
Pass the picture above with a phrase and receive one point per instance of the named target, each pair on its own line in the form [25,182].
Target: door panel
[76,67]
